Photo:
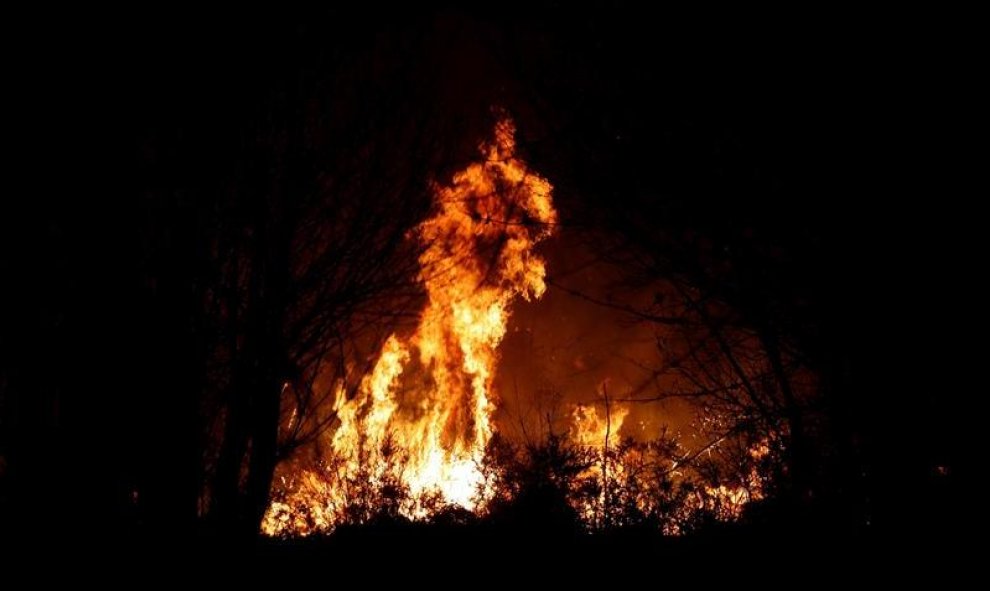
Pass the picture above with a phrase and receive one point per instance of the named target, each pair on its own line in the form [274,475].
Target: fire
[597,434]
[412,437]
[728,502]
[591,430]
[429,395]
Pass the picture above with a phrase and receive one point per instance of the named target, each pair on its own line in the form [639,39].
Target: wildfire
[591,430]
[413,436]
[597,434]
[429,397]
[728,502]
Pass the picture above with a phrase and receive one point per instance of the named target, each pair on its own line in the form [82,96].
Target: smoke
[570,348]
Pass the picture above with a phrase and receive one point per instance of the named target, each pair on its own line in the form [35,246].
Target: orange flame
[598,434]
[590,430]
[729,501]
[430,394]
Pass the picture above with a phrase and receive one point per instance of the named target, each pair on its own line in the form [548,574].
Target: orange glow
[590,430]
[597,434]
[429,396]
[728,502]
[411,438]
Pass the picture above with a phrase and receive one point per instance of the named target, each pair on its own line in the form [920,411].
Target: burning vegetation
[416,439]
[421,421]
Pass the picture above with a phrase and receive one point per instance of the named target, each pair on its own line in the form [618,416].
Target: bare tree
[315,265]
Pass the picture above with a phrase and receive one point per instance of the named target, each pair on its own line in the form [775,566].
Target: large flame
[413,436]
[429,396]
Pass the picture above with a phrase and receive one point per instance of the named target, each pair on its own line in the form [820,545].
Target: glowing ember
[423,415]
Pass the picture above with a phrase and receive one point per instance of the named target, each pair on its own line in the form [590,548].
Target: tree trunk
[264,449]
[797,452]
[226,484]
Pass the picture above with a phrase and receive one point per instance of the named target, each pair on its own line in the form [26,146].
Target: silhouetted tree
[537,485]
[314,265]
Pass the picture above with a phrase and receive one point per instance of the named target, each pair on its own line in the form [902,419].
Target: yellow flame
[598,433]
[588,429]
[478,256]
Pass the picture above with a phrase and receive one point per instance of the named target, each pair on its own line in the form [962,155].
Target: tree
[315,266]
